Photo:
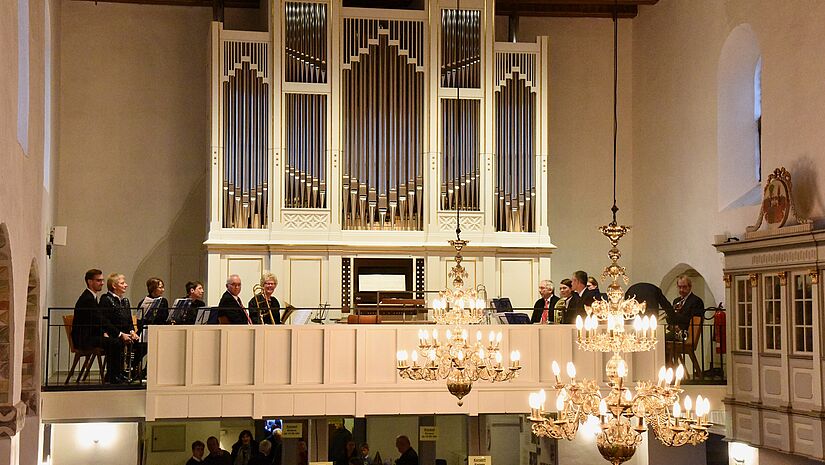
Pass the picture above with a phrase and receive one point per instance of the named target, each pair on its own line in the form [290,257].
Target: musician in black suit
[686,306]
[119,328]
[87,328]
[581,297]
[186,309]
[264,308]
[230,309]
[194,292]
[543,308]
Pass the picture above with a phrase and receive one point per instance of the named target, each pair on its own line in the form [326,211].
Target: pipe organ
[349,132]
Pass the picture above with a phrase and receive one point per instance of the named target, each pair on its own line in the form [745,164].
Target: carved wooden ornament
[777,202]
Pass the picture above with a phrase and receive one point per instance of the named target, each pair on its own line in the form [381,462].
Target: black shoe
[116,379]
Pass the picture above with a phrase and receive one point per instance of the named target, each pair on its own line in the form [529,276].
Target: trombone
[258,290]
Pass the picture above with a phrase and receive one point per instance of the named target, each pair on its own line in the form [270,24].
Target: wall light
[96,434]
[742,454]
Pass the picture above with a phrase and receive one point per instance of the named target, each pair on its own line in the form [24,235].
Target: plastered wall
[134,149]
[676,50]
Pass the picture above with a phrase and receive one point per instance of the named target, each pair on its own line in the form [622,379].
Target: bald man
[230,309]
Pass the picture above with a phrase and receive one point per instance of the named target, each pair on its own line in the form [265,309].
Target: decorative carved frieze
[783,257]
[303,220]
[12,418]
[470,221]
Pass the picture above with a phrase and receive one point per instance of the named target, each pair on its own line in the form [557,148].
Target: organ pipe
[245,89]
[383,94]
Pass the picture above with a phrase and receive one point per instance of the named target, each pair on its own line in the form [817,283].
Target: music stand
[502,305]
[204,316]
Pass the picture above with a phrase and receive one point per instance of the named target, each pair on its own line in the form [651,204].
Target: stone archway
[29,382]
[700,286]
[6,313]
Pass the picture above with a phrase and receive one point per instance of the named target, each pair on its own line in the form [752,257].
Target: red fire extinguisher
[719,331]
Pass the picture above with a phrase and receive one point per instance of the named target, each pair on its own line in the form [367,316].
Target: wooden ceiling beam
[565,10]
[197,3]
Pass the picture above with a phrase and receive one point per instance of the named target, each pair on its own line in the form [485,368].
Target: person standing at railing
[230,309]
[543,308]
[565,291]
[87,326]
[582,297]
[120,329]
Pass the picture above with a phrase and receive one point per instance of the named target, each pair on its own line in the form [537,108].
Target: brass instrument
[258,291]
[128,362]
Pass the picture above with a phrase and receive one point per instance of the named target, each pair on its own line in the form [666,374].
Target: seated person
[186,309]
[684,320]
[543,308]
[87,326]
[154,307]
[230,309]
[264,308]
[121,330]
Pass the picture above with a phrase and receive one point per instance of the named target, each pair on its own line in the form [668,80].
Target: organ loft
[345,139]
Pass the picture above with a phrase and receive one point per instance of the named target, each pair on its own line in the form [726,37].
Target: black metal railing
[701,348]
[69,367]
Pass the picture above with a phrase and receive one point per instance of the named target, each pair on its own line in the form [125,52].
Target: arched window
[47,97]
[739,118]
[757,116]
[23,74]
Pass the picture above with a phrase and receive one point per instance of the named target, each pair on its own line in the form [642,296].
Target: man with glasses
[87,326]
[230,309]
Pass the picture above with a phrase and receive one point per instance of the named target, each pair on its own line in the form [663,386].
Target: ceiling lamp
[623,415]
[457,306]
[458,360]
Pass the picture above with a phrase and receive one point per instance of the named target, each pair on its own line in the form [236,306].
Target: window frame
[772,330]
[741,305]
[807,326]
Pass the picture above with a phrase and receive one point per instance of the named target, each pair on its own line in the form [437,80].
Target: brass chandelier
[624,416]
[456,305]
[456,358]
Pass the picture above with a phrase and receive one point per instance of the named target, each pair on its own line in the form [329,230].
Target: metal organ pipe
[383,87]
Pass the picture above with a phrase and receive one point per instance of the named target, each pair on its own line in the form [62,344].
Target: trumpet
[258,290]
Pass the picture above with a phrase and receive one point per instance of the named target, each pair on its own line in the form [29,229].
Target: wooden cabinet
[775,396]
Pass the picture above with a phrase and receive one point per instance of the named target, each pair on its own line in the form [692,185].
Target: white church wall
[677,46]
[22,194]
[132,175]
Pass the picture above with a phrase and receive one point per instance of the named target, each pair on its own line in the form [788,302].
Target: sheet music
[301,317]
